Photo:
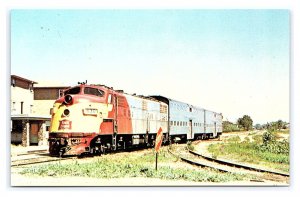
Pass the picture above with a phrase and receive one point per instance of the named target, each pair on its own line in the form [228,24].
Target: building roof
[53,87]
[29,117]
[47,83]
[23,79]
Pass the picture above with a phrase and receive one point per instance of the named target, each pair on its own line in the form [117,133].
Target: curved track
[233,164]
[197,159]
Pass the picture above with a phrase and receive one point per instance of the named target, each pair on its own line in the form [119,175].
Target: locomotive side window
[109,98]
[72,91]
[93,91]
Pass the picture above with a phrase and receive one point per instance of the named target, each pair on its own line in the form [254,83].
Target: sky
[234,62]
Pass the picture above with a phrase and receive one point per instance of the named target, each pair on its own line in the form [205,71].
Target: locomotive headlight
[66,112]
[68,99]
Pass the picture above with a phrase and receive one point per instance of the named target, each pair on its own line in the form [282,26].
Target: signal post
[158,142]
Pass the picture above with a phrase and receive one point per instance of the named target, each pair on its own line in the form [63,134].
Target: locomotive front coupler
[63,150]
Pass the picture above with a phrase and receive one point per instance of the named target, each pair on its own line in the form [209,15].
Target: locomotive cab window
[93,91]
[72,91]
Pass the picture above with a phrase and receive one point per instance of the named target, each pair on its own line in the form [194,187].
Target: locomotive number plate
[90,111]
[65,124]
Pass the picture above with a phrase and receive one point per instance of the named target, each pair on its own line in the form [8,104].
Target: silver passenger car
[189,122]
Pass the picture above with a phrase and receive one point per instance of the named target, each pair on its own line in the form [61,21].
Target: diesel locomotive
[95,119]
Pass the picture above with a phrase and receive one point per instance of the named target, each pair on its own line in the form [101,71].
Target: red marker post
[158,142]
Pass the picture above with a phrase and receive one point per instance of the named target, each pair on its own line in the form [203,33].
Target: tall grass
[264,149]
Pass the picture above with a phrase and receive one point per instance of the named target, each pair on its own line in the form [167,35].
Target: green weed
[132,166]
[263,150]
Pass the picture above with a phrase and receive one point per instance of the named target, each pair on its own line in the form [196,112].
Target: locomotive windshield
[93,91]
[72,91]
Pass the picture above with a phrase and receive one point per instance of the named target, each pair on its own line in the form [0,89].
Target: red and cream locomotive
[96,118]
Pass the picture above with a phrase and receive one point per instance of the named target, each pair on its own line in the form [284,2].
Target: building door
[34,129]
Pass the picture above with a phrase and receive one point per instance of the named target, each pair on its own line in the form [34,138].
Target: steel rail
[229,163]
[27,161]
[198,163]
[35,162]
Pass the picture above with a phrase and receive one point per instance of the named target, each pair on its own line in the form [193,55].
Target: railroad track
[33,157]
[34,161]
[197,159]
[42,156]
[233,164]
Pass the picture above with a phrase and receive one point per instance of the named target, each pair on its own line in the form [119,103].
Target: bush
[263,149]
[190,146]
[268,137]
[271,145]
[235,139]
[257,139]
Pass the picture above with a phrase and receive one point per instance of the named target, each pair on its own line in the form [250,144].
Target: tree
[279,124]
[258,127]
[229,126]
[276,125]
[245,122]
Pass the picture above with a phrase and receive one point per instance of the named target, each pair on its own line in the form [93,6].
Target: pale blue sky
[231,61]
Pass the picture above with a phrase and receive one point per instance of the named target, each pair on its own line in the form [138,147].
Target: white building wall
[42,107]
[19,95]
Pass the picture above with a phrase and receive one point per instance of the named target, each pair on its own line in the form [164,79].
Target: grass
[133,166]
[254,152]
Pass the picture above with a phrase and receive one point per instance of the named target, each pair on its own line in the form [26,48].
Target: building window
[13,107]
[30,86]
[22,104]
[60,93]
[13,82]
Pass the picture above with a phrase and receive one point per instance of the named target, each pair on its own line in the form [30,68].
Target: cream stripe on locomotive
[80,117]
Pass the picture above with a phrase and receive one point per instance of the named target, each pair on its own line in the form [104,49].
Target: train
[95,119]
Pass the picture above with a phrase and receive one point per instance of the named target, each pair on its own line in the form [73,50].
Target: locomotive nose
[68,99]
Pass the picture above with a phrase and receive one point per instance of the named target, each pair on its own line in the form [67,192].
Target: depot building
[30,110]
